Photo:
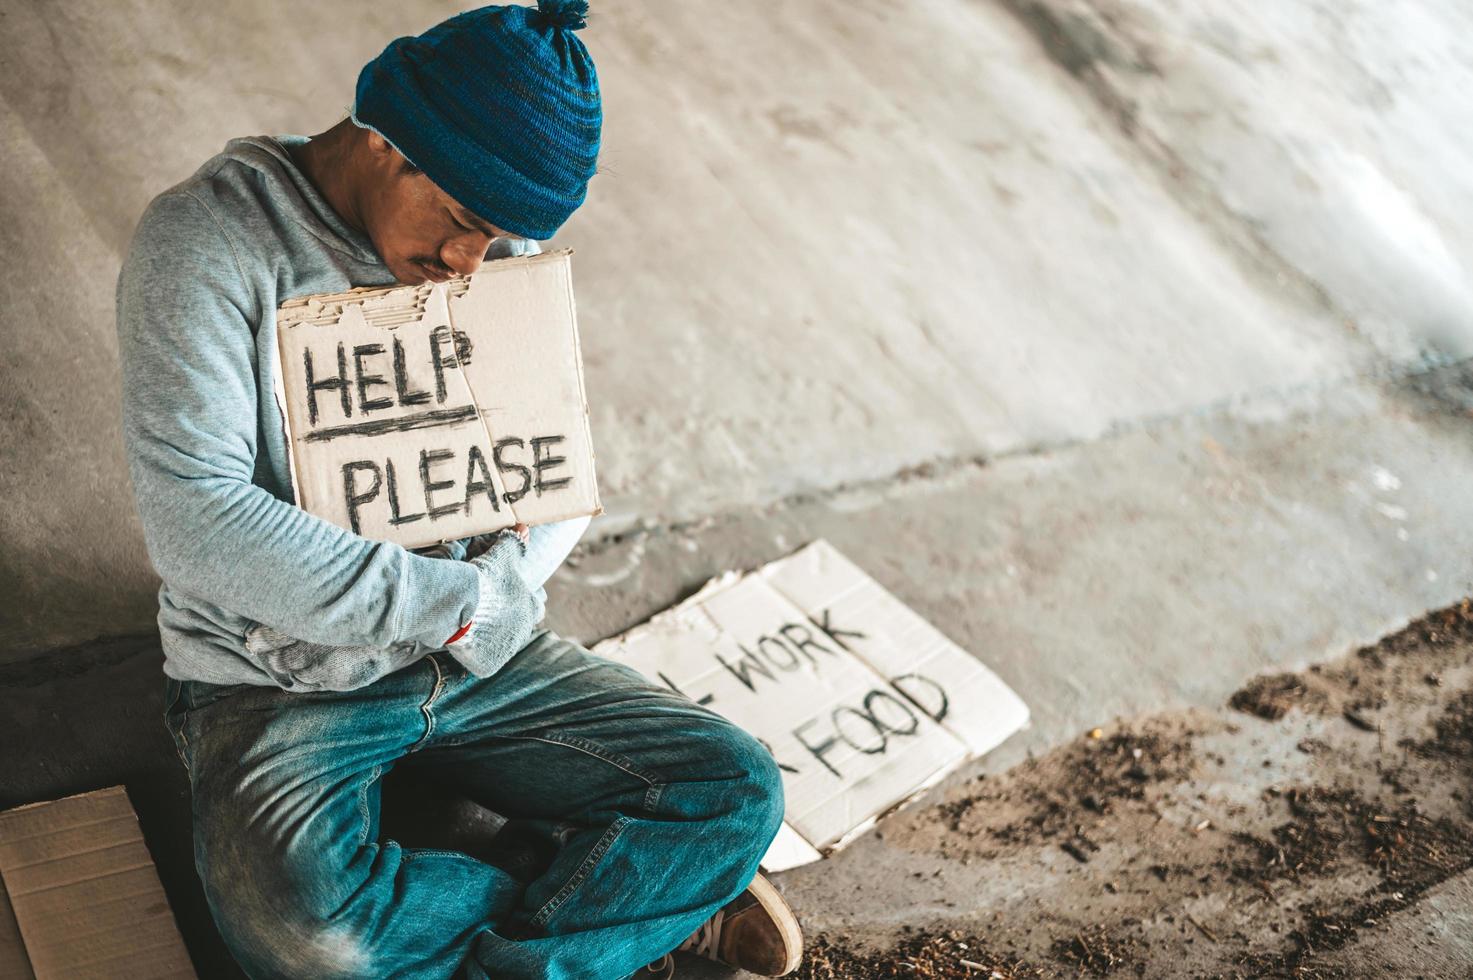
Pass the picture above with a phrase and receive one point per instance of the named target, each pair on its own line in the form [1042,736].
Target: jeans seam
[411,854]
[184,738]
[605,841]
[654,788]
[181,750]
[428,708]
[365,819]
[596,750]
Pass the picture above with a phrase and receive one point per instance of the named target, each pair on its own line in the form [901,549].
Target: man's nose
[464,256]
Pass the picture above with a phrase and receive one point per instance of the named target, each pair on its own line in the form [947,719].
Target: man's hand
[509,608]
[465,549]
[480,544]
[452,550]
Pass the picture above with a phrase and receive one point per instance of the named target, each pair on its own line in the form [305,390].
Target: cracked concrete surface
[1123,339]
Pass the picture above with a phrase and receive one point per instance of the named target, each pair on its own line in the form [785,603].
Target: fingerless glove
[508,609]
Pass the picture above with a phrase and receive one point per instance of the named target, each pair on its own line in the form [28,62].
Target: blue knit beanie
[498,106]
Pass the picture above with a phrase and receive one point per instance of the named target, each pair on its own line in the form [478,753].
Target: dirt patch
[1453,738]
[1412,850]
[1241,843]
[1099,951]
[1058,798]
[1440,630]
[941,956]
[1334,829]
[1271,696]
[1309,844]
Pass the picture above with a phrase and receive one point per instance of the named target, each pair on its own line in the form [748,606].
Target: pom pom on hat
[568,15]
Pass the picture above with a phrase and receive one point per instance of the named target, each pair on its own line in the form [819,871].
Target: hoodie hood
[269,157]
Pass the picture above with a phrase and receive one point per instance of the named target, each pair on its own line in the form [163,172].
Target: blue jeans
[654,811]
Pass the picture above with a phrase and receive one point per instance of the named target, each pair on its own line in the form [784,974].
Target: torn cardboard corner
[80,897]
[418,414]
[862,702]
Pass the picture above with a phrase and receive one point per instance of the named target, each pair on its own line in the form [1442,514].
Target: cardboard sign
[80,896]
[862,702]
[419,414]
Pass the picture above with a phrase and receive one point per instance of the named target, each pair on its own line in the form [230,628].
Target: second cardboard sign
[862,703]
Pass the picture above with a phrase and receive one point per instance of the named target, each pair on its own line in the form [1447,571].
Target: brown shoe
[756,932]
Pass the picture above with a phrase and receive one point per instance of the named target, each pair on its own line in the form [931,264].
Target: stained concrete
[1320,129]
[1110,335]
[830,241]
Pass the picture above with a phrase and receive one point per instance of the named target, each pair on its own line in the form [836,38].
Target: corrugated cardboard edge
[296,306]
[105,791]
[15,964]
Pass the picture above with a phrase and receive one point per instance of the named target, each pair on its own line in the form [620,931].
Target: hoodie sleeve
[189,364]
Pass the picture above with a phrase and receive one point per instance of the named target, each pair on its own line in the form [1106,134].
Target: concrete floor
[1124,340]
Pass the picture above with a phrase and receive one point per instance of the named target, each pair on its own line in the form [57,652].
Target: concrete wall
[831,240]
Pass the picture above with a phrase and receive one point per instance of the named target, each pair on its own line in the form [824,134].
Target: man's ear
[378,146]
[385,157]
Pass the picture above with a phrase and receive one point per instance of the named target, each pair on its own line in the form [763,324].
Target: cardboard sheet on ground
[418,414]
[79,896]
[861,701]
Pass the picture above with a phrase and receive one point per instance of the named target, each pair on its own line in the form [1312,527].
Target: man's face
[420,232]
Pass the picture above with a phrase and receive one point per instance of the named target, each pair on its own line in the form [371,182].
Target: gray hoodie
[211,261]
